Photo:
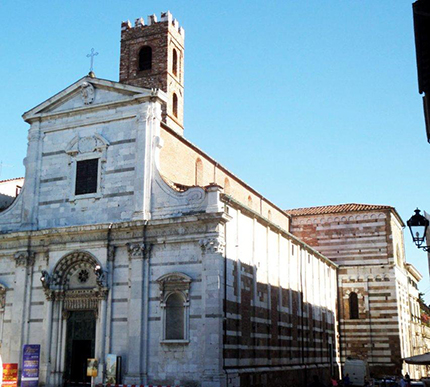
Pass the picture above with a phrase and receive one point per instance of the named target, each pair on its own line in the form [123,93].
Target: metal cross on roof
[92,55]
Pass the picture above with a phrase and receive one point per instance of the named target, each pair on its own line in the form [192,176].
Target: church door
[80,344]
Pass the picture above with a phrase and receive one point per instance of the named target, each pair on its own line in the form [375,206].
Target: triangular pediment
[89,92]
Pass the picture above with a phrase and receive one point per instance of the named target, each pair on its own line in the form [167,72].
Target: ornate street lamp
[418,225]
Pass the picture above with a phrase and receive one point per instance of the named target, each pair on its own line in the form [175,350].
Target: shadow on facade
[272,336]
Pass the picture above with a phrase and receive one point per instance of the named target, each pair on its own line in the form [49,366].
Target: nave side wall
[281,305]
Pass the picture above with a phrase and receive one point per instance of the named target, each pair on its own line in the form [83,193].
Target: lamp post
[418,225]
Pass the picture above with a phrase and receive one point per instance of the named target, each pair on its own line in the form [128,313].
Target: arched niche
[78,279]
[174,302]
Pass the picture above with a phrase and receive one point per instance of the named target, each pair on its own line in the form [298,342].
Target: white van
[358,371]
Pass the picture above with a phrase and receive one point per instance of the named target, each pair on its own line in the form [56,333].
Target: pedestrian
[408,380]
[346,380]
[334,382]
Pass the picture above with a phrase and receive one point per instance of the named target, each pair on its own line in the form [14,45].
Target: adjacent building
[378,295]
[9,190]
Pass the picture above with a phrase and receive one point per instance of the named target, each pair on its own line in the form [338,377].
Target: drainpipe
[110,269]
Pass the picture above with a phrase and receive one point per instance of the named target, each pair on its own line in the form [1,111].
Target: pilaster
[213,295]
[148,129]
[136,252]
[24,262]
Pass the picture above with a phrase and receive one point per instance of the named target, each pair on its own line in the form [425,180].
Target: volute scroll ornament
[136,250]
[212,245]
[25,258]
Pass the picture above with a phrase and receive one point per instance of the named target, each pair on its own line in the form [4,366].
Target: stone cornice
[190,228]
[102,228]
[137,96]
[90,121]
[137,100]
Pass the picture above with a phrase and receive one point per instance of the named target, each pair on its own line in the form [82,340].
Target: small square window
[86,176]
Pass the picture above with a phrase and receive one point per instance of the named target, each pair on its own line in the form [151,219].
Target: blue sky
[310,102]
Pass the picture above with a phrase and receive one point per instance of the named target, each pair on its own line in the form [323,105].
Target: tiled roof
[349,207]
[16,178]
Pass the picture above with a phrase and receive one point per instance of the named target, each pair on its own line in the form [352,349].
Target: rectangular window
[86,176]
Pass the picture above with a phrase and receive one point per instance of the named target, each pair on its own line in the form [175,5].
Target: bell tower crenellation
[152,56]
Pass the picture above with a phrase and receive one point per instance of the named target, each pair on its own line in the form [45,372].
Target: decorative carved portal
[77,293]
[80,346]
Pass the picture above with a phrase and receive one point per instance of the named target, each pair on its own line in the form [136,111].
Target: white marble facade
[50,233]
[121,251]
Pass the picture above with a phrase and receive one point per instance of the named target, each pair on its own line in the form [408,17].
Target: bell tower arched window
[175,105]
[175,63]
[353,306]
[145,58]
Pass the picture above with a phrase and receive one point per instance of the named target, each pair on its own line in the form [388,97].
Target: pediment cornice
[85,86]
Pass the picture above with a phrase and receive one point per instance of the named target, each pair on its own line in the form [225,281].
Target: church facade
[127,239]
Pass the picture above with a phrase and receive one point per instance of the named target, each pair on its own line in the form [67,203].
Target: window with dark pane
[175,105]
[353,306]
[175,317]
[86,176]
[145,58]
[175,62]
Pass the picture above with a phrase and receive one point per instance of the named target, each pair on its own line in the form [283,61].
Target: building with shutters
[127,239]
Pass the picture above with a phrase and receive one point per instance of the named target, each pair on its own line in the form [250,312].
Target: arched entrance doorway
[76,291]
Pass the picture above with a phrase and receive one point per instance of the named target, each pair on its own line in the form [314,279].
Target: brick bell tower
[152,56]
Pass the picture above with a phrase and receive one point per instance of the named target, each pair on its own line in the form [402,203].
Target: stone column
[135,314]
[24,261]
[47,340]
[62,352]
[102,294]
[57,335]
[110,269]
[101,337]
[212,313]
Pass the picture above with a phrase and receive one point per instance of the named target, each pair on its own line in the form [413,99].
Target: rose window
[83,276]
